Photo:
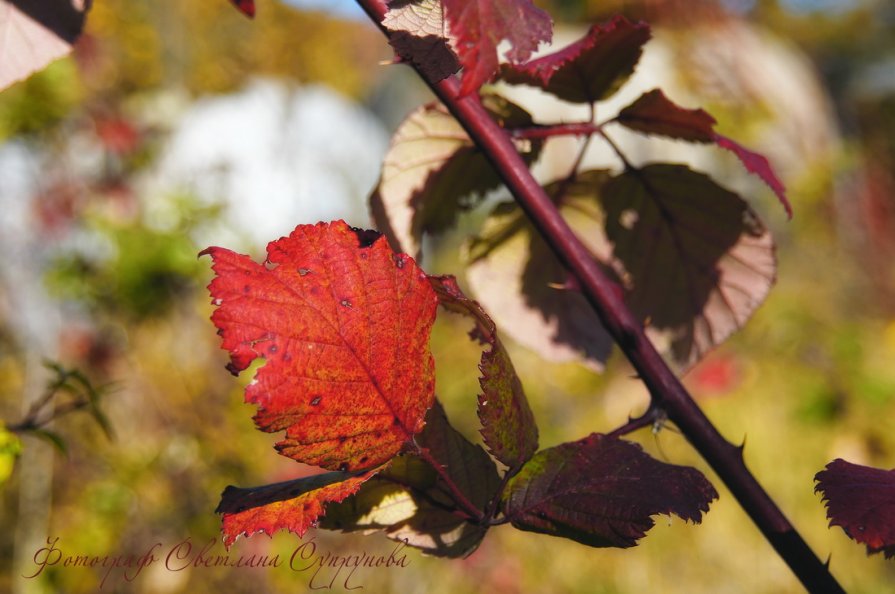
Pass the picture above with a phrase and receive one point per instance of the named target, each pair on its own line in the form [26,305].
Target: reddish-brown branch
[607,299]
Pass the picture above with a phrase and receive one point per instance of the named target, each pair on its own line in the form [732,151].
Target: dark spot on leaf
[366,237]
[342,439]
[364,459]
[273,349]
[315,290]
[247,289]
[287,357]
[346,303]
[315,401]
[303,271]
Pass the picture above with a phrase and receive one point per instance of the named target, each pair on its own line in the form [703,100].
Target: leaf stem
[607,299]
[456,494]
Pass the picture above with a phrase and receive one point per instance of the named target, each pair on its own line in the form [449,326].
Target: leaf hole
[399,261]
[628,218]
[343,466]
[315,400]
[304,271]
[346,303]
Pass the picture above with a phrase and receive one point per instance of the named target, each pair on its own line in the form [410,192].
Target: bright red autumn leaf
[290,505]
[601,491]
[653,113]
[589,70]
[246,7]
[861,500]
[343,324]
[33,33]
[508,425]
[477,27]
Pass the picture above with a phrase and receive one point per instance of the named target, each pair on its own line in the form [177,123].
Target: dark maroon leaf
[508,425]
[861,500]
[653,113]
[590,69]
[694,257]
[601,491]
[479,26]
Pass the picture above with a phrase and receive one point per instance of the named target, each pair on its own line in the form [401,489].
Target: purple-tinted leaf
[479,26]
[433,171]
[33,33]
[590,69]
[861,500]
[515,275]
[695,259]
[508,425]
[602,492]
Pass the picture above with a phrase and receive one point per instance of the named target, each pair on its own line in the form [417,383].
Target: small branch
[607,299]
[455,492]
[652,415]
[542,132]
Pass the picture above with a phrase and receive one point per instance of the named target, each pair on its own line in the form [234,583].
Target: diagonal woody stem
[607,299]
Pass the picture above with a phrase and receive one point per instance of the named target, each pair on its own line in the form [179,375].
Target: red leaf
[291,505]
[861,500]
[479,26]
[246,7]
[508,425]
[653,113]
[36,32]
[759,165]
[345,332]
[601,492]
[590,69]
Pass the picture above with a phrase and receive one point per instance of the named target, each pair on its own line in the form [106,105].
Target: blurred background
[176,125]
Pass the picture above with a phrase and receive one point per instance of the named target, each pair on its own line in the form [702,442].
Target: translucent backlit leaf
[861,500]
[602,492]
[433,171]
[246,7]
[343,324]
[508,425]
[36,32]
[479,26]
[694,257]
[516,277]
[291,505]
[418,34]
[590,69]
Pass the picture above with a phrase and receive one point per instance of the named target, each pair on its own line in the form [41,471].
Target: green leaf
[601,491]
